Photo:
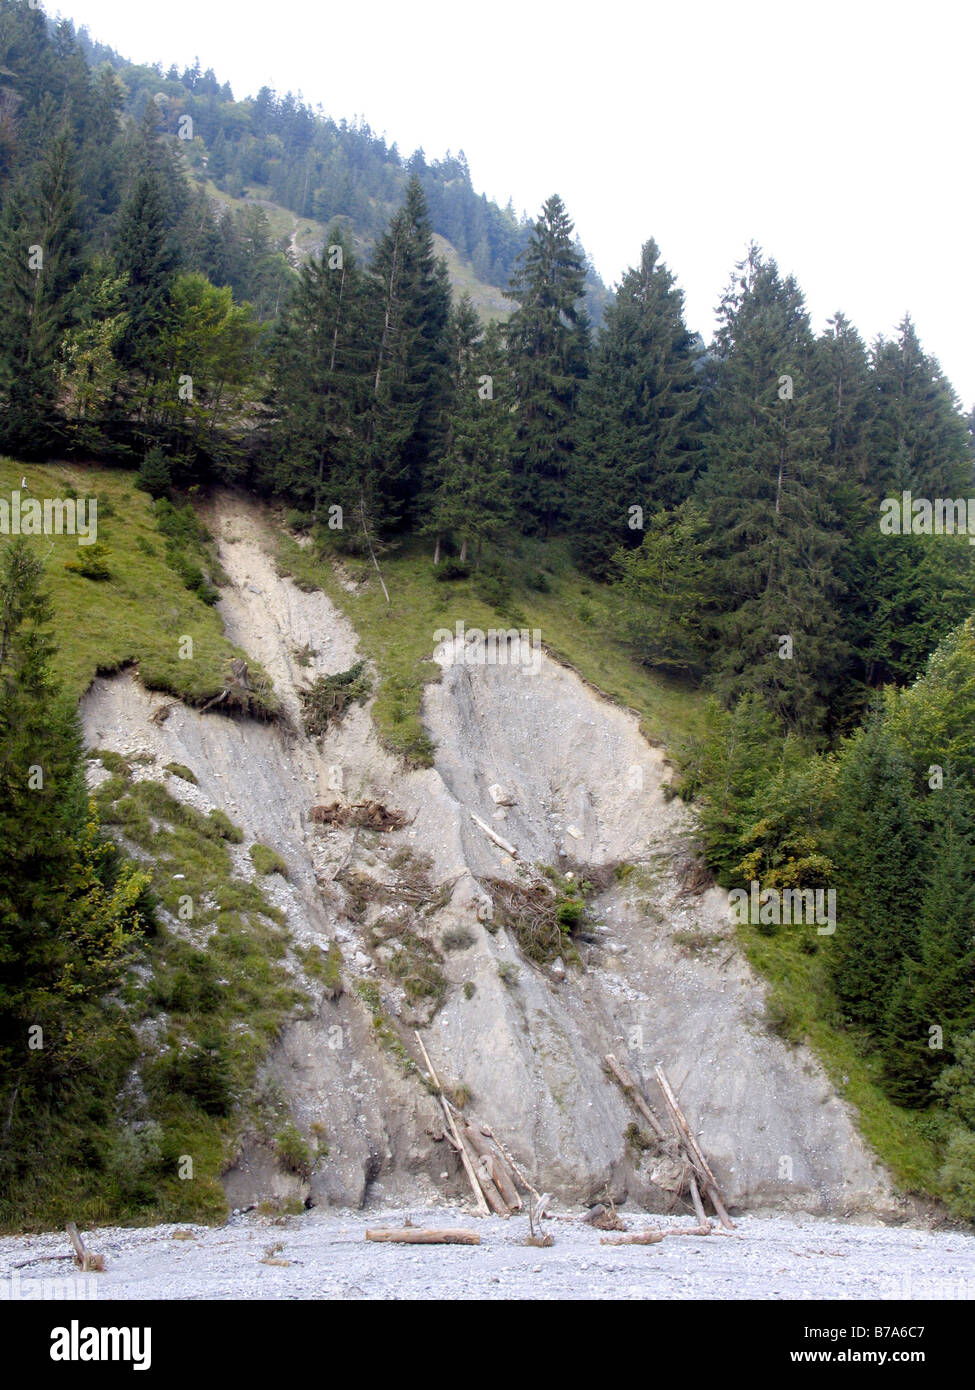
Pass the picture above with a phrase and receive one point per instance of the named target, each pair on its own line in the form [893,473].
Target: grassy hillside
[306,237]
[539,590]
[143,611]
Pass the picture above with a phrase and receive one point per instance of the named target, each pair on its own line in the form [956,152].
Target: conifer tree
[767,492]
[666,589]
[937,989]
[548,341]
[146,256]
[876,849]
[321,382]
[410,385]
[919,438]
[641,411]
[468,497]
[39,265]
[69,910]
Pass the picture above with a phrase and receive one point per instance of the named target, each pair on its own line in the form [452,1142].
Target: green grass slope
[142,612]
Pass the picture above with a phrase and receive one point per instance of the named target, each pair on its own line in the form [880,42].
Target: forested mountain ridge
[722,517]
[280,148]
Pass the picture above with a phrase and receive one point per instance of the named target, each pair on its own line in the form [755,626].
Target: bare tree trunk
[365,532]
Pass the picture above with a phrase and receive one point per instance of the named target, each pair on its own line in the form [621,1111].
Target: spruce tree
[876,850]
[147,260]
[767,490]
[467,502]
[938,991]
[321,382]
[42,794]
[919,438]
[411,384]
[548,340]
[641,412]
[39,264]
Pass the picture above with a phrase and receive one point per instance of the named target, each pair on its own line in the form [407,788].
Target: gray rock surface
[529,1049]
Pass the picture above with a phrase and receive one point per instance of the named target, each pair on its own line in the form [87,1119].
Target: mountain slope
[524,1042]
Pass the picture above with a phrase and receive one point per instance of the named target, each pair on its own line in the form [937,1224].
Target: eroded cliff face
[565,778]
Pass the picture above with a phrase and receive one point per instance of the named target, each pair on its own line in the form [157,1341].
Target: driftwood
[482,1169]
[482,1205]
[347,857]
[238,687]
[410,1235]
[698,1204]
[700,1163]
[699,1173]
[495,1167]
[519,1175]
[493,835]
[628,1084]
[491,1171]
[633,1238]
[655,1234]
[83,1257]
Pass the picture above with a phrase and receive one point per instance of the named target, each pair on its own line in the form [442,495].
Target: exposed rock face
[564,777]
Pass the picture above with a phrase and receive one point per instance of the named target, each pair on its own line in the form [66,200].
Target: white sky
[838,135]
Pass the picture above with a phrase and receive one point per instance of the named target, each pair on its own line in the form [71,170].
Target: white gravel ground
[774,1257]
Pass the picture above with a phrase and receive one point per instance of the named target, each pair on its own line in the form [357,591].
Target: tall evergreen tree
[321,381]
[641,412]
[767,491]
[411,379]
[146,256]
[919,438]
[548,340]
[937,989]
[468,495]
[877,847]
[39,265]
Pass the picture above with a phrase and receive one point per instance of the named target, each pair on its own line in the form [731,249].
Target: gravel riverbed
[325,1255]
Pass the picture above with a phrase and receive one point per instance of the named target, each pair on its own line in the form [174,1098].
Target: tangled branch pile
[368,815]
[541,919]
[328,697]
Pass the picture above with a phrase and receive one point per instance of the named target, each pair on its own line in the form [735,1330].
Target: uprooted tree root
[368,815]
[240,694]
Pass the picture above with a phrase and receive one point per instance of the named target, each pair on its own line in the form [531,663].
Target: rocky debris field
[326,1255]
[563,777]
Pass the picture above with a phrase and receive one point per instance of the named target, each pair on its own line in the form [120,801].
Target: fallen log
[485,1152]
[83,1257]
[698,1204]
[482,1205]
[634,1238]
[694,1151]
[482,1168]
[630,1089]
[493,835]
[519,1175]
[414,1235]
